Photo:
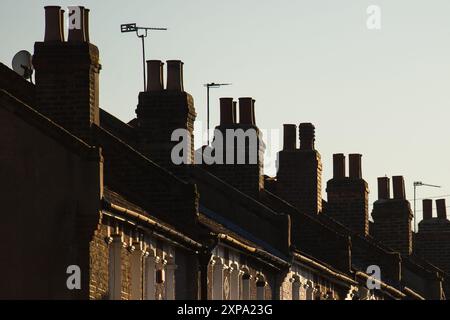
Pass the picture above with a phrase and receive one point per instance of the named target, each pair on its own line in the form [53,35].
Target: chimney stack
[392,218]
[289,136]
[384,191]
[348,197]
[227,116]
[441,209]
[355,171]
[162,112]
[427,205]
[54,22]
[175,75]
[432,241]
[240,161]
[338,166]
[155,78]
[67,73]
[299,176]
[246,111]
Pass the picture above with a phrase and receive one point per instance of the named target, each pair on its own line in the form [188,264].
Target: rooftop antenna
[21,64]
[208,86]
[131,27]
[420,184]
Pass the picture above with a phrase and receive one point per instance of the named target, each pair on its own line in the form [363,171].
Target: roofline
[150,222]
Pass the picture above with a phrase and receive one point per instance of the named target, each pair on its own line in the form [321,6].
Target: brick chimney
[432,241]
[348,197]
[392,217]
[299,176]
[67,72]
[238,148]
[164,115]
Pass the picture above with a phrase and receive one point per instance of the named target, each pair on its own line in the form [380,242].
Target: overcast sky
[383,93]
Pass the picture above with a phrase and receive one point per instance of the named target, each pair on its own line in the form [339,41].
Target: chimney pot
[441,209]
[54,24]
[427,206]
[289,136]
[77,27]
[86,24]
[338,166]
[175,75]
[155,75]
[355,171]
[246,111]
[383,188]
[307,136]
[399,187]
[234,112]
[226,111]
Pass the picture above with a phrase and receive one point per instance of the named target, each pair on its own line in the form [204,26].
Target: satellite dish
[21,64]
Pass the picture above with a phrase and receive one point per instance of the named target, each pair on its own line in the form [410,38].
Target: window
[296,288]
[217,265]
[136,274]
[260,289]
[234,282]
[114,268]
[246,286]
[150,276]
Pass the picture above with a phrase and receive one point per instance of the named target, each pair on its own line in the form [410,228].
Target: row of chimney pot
[355,167]
[54,32]
[428,209]
[398,183]
[54,25]
[306,136]
[228,111]
[155,75]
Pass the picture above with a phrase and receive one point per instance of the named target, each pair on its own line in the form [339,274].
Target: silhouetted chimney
[384,190]
[54,18]
[355,170]
[348,197]
[399,187]
[432,241]
[77,26]
[299,176]
[307,136]
[427,205]
[166,114]
[246,110]
[155,77]
[441,209]
[175,75]
[67,73]
[240,161]
[392,217]
[227,111]
[338,166]
[289,137]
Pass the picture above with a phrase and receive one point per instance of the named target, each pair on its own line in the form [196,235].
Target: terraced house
[81,188]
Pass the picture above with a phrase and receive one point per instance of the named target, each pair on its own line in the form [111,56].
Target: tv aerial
[21,64]
[132,27]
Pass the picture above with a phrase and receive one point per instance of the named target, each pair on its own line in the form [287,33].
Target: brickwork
[348,199]
[299,176]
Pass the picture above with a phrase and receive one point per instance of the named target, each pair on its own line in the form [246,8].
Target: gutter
[413,293]
[151,223]
[251,249]
[383,285]
[337,275]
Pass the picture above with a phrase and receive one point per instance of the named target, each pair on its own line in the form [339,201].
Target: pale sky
[383,93]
